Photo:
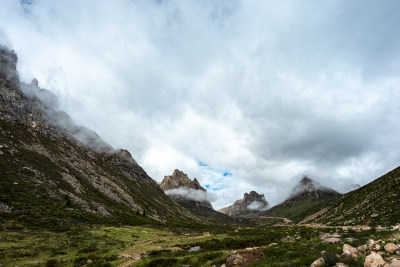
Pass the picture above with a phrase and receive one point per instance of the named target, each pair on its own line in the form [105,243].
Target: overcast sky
[244,95]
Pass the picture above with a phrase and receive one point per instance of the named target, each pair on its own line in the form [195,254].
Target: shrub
[330,258]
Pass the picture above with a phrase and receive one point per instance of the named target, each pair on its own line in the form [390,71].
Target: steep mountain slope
[250,203]
[49,176]
[376,203]
[191,195]
[307,197]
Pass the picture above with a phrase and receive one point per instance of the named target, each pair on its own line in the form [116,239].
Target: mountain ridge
[52,168]
[307,197]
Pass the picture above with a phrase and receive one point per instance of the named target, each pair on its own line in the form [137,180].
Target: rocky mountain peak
[250,202]
[180,179]
[253,196]
[306,181]
[308,188]
[184,191]
[8,65]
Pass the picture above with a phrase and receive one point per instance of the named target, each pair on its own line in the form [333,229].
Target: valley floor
[168,246]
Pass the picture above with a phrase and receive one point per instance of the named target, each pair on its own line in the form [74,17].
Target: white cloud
[267,90]
[190,193]
[259,206]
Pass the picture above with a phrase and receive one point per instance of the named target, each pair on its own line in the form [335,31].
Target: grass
[102,245]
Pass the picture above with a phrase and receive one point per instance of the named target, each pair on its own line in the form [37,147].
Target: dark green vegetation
[205,212]
[307,198]
[298,211]
[305,247]
[376,203]
[110,246]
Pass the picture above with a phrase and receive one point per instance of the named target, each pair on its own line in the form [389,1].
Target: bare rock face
[180,179]
[250,202]
[183,190]
[8,66]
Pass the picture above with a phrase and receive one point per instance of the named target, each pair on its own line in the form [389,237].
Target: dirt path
[129,263]
[285,220]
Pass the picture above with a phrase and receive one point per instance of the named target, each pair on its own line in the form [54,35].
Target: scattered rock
[245,257]
[362,248]
[332,240]
[272,244]
[288,239]
[391,248]
[340,264]
[177,249]
[370,242]
[192,249]
[395,263]
[318,262]
[374,260]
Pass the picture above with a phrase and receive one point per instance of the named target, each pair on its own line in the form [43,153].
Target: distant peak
[180,179]
[252,201]
[306,180]
[307,188]
[253,196]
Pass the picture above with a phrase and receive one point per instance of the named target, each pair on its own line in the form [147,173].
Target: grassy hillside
[376,203]
[48,180]
[297,211]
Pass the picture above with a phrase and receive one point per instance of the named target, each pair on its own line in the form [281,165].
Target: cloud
[259,206]
[269,90]
[190,193]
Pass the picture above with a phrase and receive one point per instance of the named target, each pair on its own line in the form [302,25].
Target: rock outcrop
[180,179]
[251,202]
[181,189]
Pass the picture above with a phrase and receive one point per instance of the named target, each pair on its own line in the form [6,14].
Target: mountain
[351,187]
[191,195]
[376,203]
[53,172]
[307,197]
[250,203]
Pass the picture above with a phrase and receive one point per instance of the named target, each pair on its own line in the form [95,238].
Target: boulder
[370,242]
[340,264]
[375,260]
[348,248]
[318,262]
[391,248]
[362,248]
[395,263]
